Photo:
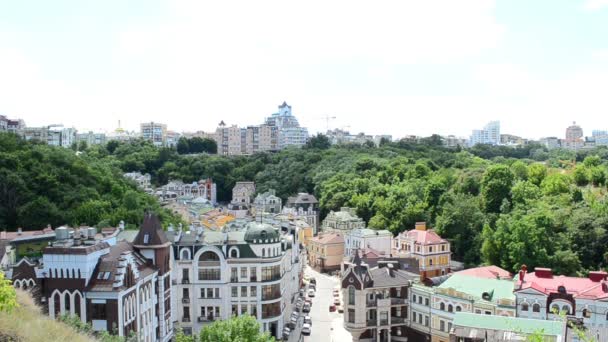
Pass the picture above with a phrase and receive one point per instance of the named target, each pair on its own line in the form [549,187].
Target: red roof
[593,287]
[328,238]
[425,237]
[13,235]
[489,272]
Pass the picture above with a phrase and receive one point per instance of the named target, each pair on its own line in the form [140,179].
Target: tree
[496,187]
[8,297]
[112,145]
[209,146]
[520,170]
[537,173]
[319,141]
[239,328]
[183,147]
[82,145]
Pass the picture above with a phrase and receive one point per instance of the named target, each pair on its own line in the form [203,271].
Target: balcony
[185,300]
[398,301]
[384,322]
[271,314]
[370,303]
[397,320]
[384,302]
[272,295]
[204,319]
[272,278]
[371,323]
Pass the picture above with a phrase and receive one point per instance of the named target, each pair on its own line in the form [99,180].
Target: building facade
[326,252]
[91,138]
[204,188]
[289,131]
[154,132]
[304,206]
[268,202]
[432,251]
[250,268]
[489,135]
[342,221]
[379,241]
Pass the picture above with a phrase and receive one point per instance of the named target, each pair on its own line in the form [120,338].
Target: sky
[380,67]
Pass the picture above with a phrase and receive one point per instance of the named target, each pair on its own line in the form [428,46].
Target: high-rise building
[489,135]
[8,125]
[574,132]
[290,132]
[91,138]
[154,132]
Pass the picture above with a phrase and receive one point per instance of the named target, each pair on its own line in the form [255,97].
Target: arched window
[555,309]
[234,253]
[536,307]
[561,289]
[66,300]
[450,308]
[442,307]
[77,299]
[184,254]
[524,306]
[458,308]
[209,256]
[351,295]
[565,309]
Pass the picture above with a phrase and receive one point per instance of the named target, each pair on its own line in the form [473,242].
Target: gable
[351,279]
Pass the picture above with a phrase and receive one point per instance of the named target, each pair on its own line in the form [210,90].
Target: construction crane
[327,118]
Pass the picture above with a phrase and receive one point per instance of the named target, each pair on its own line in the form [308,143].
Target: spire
[150,233]
[357,258]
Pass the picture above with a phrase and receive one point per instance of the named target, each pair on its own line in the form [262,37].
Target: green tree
[319,141]
[520,170]
[496,187]
[537,173]
[8,297]
[239,328]
[183,147]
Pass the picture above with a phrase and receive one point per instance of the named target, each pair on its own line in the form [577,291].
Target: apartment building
[268,202]
[376,305]
[154,132]
[304,206]
[142,181]
[432,251]
[490,134]
[342,221]
[289,131]
[326,252]
[249,268]
[204,188]
[540,294]
[91,138]
[116,286]
[10,125]
[378,241]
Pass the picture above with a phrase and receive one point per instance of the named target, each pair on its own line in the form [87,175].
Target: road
[324,323]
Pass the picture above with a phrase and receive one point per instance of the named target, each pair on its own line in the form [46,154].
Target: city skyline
[415,68]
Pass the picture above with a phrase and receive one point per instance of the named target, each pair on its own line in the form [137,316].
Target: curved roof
[260,232]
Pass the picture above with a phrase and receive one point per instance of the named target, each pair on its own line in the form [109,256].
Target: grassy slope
[26,323]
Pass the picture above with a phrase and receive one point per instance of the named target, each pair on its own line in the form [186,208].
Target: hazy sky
[396,67]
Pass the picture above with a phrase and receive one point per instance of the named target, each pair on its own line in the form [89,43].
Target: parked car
[306,308]
[311,293]
[306,329]
[308,320]
[294,320]
[337,301]
[336,292]
[313,280]
[332,308]
[302,292]
[340,309]
[286,332]
[308,300]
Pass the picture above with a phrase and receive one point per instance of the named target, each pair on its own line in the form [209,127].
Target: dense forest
[497,205]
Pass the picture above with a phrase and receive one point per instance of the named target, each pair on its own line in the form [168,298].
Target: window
[253,291]
[586,313]
[235,310]
[235,291]
[561,289]
[234,274]
[431,249]
[234,253]
[253,274]
[243,291]
[442,325]
[426,321]
[477,311]
[555,308]
[426,301]
[351,316]
[442,307]
[565,309]
[185,293]
[449,326]
[243,272]
[243,309]
[351,295]
[414,298]
[185,276]
[536,307]
[419,300]
[450,308]
[488,312]
[524,306]
[209,274]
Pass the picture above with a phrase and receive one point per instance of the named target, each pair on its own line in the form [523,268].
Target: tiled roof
[490,272]
[151,232]
[425,237]
[577,286]
[13,235]
[302,198]
[383,277]
[328,238]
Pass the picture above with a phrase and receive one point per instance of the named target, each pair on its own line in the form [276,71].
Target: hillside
[26,323]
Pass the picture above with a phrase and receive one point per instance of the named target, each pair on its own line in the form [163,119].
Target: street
[326,326]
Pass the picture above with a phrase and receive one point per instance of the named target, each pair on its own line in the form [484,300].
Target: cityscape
[283,171]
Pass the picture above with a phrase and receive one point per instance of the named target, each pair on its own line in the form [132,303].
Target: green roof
[514,324]
[474,286]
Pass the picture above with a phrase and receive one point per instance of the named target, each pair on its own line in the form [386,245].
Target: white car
[307,320]
[311,293]
[306,329]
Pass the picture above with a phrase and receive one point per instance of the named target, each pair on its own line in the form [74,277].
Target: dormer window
[146,238]
[561,289]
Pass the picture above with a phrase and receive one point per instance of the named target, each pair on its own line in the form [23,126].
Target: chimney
[420,225]
[543,272]
[19,231]
[390,270]
[597,276]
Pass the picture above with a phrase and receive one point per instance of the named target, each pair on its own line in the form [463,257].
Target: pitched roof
[328,238]
[579,287]
[425,237]
[513,324]
[302,198]
[384,277]
[151,232]
[489,272]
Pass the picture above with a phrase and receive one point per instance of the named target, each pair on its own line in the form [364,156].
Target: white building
[154,132]
[342,221]
[290,132]
[268,202]
[379,241]
[490,134]
[250,268]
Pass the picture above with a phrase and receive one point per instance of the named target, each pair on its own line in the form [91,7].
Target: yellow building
[325,252]
[432,251]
